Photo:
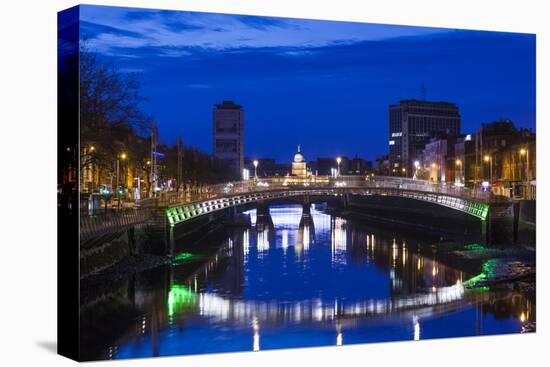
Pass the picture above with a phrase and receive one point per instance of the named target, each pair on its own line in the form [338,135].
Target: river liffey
[295,281]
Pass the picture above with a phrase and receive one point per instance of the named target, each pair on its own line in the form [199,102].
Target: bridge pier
[306,207]
[263,217]
[344,200]
[499,226]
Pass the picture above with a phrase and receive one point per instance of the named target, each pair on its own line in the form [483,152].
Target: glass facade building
[412,123]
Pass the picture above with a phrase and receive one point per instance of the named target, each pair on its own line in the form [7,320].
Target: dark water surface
[328,281]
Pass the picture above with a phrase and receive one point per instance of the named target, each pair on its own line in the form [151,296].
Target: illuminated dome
[298,157]
[299,165]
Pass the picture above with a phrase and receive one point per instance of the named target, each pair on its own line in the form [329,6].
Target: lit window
[392,142]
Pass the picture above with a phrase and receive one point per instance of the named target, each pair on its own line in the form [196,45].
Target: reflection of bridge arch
[242,193]
[239,311]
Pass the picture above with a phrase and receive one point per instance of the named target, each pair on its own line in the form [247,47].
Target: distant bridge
[234,194]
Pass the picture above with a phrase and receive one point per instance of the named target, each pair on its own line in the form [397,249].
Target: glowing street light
[255,168]
[488,159]
[458,164]
[525,152]
[122,156]
[338,160]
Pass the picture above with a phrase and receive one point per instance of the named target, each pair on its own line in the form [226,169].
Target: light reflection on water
[310,282]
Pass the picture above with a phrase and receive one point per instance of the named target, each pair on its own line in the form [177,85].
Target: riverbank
[498,265]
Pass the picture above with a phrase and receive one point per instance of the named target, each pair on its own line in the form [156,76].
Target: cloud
[110,28]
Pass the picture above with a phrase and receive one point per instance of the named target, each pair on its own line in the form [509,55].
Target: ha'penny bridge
[178,208]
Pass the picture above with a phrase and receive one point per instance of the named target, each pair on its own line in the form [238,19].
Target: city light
[292,244]
[255,163]
[246,174]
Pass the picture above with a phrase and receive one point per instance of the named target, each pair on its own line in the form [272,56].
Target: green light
[475,247]
[473,282]
[175,215]
[184,256]
[488,271]
[179,298]
[481,289]
[489,267]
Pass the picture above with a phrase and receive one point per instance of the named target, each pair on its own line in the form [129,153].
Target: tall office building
[228,128]
[411,125]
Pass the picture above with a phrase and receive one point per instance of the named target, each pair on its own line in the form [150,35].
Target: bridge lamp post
[404,170]
[122,156]
[338,160]
[458,164]
[489,159]
[255,163]
[416,166]
[525,152]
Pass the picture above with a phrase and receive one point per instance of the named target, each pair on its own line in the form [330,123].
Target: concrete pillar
[306,207]
[170,249]
[263,217]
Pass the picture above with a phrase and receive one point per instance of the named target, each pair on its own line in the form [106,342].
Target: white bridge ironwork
[218,197]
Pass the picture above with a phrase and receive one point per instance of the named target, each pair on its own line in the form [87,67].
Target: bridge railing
[323,182]
[106,222]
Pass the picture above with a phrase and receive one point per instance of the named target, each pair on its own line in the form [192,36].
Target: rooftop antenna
[422,92]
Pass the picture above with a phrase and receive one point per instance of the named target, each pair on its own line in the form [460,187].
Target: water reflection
[305,281]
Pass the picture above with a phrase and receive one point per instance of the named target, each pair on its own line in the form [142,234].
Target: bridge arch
[184,212]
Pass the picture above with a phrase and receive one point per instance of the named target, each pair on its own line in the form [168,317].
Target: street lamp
[489,159]
[121,156]
[338,160]
[416,166]
[525,152]
[458,164]
[255,168]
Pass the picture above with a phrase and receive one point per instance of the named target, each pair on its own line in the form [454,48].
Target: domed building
[299,164]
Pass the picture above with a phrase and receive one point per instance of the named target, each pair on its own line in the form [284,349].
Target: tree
[198,167]
[111,120]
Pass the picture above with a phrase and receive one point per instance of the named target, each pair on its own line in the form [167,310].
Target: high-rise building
[228,138]
[412,124]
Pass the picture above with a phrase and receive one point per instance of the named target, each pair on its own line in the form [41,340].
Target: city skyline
[283,70]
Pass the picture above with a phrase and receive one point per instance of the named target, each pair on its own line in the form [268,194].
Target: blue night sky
[322,84]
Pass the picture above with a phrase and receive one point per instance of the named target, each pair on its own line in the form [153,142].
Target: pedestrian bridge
[234,194]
